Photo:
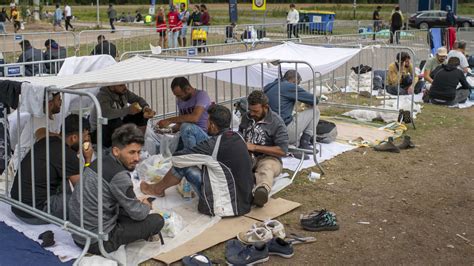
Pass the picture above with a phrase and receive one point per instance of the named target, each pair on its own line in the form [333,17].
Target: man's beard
[75,147]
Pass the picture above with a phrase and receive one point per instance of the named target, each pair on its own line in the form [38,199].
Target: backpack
[326,132]
[397,20]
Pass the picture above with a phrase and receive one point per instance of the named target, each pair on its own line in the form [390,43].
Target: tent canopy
[322,60]
[137,69]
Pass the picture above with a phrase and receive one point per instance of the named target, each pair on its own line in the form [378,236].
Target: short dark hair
[397,8]
[454,61]
[379,7]
[460,45]
[204,6]
[292,74]
[72,124]
[57,5]
[126,135]
[292,5]
[402,57]
[257,97]
[220,116]
[180,82]
[25,43]
[49,42]
[100,37]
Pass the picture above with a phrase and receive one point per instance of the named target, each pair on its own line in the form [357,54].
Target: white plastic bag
[173,224]
[154,168]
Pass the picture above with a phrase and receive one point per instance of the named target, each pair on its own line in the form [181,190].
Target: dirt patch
[416,201]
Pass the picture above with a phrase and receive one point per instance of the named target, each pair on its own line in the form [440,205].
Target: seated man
[31,54]
[55,172]
[401,76]
[433,63]
[444,89]
[267,141]
[234,169]
[53,52]
[104,47]
[120,106]
[126,219]
[459,51]
[192,119]
[290,92]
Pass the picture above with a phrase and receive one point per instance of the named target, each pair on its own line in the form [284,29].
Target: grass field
[275,12]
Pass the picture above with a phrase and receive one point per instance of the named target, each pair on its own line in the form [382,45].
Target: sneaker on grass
[255,235]
[247,255]
[280,247]
[277,228]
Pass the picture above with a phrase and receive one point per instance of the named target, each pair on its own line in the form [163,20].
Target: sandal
[196,260]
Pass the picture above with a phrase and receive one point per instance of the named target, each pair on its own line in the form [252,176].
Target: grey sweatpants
[305,121]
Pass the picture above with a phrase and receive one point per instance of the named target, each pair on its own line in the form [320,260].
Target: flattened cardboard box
[228,228]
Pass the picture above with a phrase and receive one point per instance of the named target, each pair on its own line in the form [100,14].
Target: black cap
[72,124]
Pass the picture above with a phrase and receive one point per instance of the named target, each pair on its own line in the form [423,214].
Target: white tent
[137,69]
[322,59]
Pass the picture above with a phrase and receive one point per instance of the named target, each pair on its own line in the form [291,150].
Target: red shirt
[160,23]
[174,22]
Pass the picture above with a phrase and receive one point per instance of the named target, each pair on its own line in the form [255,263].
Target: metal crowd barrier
[467,35]
[46,215]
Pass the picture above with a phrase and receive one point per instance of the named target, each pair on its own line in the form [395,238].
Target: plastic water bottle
[312,176]
[187,193]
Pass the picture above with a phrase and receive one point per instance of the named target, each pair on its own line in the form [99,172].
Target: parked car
[436,18]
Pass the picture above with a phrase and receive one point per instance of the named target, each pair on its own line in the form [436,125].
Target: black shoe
[388,146]
[260,196]
[48,238]
[325,222]
[298,154]
[305,142]
[280,247]
[406,144]
[248,255]
[404,116]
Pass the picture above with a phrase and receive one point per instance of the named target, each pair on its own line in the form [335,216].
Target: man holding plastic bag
[219,169]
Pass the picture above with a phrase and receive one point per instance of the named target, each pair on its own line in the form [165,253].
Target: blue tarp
[17,249]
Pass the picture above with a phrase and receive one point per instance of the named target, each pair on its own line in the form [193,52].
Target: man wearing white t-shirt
[68,15]
[460,52]
[292,19]
[35,129]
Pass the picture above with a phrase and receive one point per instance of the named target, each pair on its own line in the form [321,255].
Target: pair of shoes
[260,196]
[389,146]
[262,232]
[320,221]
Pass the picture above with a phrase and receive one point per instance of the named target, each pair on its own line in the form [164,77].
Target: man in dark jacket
[444,88]
[125,218]
[54,52]
[120,106]
[396,24]
[104,47]
[233,158]
[267,141]
[282,96]
[31,54]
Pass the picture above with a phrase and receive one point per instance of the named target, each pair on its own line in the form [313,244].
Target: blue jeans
[191,134]
[192,174]
[173,39]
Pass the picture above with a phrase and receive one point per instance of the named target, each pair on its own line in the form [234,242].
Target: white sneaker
[255,235]
[277,228]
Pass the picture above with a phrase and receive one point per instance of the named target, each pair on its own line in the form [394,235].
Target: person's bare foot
[151,189]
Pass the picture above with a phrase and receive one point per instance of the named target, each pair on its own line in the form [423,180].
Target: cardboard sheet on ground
[228,228]
[347,131]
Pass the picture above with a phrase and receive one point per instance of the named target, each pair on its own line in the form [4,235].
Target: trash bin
[319,21]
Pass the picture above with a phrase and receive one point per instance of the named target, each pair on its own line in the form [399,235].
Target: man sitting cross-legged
[192,119]
[126,219]
[227,165]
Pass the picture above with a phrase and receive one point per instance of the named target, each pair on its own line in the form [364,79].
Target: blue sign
[18,37]
[13,71]
[233,14]
[192,52]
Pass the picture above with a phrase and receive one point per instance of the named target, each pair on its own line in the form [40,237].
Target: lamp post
[98,16]
[354,6]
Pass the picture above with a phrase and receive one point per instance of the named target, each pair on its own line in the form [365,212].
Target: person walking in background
[175,26]
[112,14]
[292,19]
[58,16]
[396,24]
[450,17]
[3,18]
[377,21]
[161,26]
[68,15]
[16,19]
[184,17]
